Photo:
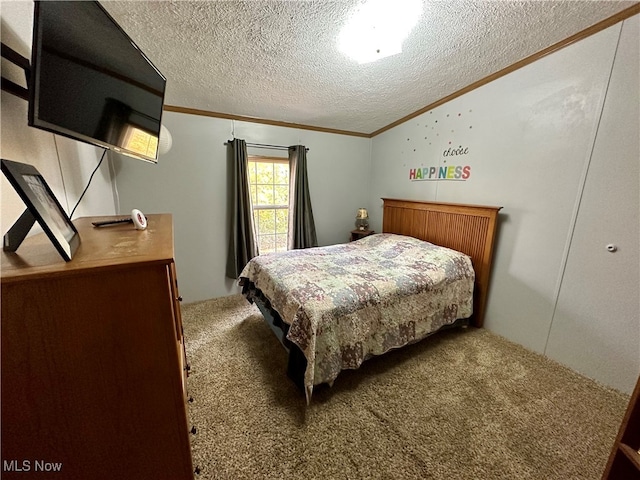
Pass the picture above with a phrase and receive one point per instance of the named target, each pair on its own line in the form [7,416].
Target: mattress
[345,303]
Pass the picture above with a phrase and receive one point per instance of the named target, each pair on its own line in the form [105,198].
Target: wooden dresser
[624,460]
[93,365]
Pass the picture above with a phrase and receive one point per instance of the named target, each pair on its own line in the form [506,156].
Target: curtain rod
[263,145]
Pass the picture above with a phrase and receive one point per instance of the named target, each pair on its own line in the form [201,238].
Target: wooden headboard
[469,229]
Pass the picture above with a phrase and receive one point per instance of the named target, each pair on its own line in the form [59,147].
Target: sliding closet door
[596,325]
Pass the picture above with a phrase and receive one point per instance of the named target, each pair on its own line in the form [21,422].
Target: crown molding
[587,32]
[277,123]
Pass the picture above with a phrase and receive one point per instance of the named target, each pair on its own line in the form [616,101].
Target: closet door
[596,324]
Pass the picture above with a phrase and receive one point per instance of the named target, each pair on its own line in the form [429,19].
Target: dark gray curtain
[242,237]
[302,229]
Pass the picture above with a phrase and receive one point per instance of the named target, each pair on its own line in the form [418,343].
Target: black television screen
[89,81]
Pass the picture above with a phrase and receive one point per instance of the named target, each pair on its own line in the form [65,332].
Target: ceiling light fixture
[377,29]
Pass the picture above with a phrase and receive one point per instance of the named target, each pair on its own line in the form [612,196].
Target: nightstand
[358,234]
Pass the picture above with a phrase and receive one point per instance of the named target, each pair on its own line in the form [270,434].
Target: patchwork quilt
[345,303]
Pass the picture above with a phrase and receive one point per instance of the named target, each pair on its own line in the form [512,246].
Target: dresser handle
[193,430]
[179,298]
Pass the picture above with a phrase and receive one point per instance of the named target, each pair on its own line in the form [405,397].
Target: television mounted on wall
[90,82]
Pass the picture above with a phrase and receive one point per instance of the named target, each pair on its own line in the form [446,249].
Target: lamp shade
[362,219]
[165,141]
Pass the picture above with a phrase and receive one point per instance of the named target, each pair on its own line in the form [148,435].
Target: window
[269,184]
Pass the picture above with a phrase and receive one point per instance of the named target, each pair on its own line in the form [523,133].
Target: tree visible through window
[269,183]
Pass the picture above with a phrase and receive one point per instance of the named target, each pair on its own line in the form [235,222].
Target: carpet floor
[462,404]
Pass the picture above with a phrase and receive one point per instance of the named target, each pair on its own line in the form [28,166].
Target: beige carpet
[462,404]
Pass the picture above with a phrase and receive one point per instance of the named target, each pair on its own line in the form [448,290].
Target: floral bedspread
[345,303]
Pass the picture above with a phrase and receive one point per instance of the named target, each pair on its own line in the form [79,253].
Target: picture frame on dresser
[42,206]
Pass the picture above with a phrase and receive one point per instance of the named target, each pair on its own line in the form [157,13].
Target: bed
[334,307]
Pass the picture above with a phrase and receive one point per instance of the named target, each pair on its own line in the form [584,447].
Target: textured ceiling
[278,60]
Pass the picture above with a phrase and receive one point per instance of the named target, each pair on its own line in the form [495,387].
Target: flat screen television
[89,81]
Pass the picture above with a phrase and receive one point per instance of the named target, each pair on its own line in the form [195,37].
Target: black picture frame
[42,206]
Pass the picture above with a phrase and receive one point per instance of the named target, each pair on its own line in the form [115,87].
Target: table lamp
[362,219]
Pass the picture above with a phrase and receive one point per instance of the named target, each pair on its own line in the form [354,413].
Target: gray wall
[190,182]
[556,144]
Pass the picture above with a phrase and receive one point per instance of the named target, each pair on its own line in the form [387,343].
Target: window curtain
[302,229]
[242,237]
